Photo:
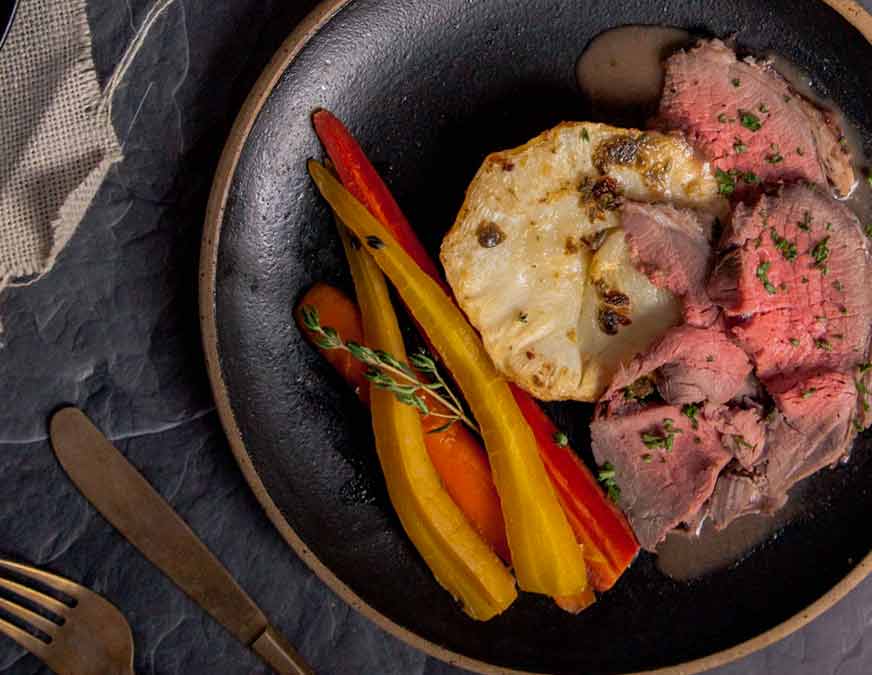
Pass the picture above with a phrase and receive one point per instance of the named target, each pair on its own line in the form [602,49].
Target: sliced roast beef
[665,468]
[687,365]
[671,247]
[796,283]
[742,429]
[739,493]
[814,428]
[747,119]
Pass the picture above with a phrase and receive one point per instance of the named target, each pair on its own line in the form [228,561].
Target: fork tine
[34,619]
[53,580]
[36,647]
[42,599]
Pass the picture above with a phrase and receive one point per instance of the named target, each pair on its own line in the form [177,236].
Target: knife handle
[278,654]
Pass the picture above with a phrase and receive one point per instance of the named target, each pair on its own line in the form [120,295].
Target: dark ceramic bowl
[430,88]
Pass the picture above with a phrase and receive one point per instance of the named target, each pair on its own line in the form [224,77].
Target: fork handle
[279,655]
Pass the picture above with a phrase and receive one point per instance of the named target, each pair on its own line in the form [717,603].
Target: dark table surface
[113,329]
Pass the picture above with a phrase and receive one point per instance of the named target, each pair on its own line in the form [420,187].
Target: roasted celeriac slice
[538,262]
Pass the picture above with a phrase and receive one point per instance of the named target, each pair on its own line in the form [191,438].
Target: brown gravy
[621,73]
[684,557]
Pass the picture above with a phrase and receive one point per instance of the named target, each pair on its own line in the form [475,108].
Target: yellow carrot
[459,559]
[545,554]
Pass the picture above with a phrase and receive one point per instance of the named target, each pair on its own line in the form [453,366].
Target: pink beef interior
[745,117]
[671,246]
[799,273]
[660,488]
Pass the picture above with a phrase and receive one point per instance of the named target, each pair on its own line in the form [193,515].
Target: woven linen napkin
[56,142]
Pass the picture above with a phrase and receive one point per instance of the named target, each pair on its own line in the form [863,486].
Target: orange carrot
[599,525]
[457,456]
[575,604]
[339,311]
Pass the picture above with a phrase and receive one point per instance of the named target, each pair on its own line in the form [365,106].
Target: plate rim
[321,15]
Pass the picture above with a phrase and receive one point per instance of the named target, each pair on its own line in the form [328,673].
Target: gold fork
[89,637]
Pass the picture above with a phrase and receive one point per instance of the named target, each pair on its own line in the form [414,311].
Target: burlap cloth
[56,139]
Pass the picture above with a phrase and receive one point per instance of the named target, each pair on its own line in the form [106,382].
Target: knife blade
[123,496]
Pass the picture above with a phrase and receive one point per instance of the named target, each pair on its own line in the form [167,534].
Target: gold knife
[119,492]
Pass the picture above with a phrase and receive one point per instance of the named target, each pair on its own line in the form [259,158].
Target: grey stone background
[113,329]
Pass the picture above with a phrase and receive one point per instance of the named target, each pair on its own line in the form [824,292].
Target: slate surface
[113,329]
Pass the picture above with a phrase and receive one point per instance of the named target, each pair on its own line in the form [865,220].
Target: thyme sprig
[387,372]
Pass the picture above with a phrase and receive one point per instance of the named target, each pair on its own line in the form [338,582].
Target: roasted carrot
[339,311]
[545,554]
[600,527]
[362,180]
[460,560]
[609,544]
[456,454]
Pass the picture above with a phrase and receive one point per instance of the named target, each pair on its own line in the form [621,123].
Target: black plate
[429,88]
[7,16]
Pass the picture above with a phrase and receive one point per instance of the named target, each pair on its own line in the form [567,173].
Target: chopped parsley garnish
[750,121]
[838,285]
[804,280]
[710,358]
[647,457]
[808,393]
[664,440]
[805,223]
[584,135]
[606,476]
[858,426]
[690,411]
[561,439]
[762,275]
[800,152]
[727,179]
[723,119]
[869,178]
[843,310]
[726,182]
[639,390]
[739,146]
[775,158]
[824,344]
[788,248]
[794,342]
[864,368]
[762,108]
[869,230]
[736,82]
[820,253]
[741,442]
[864,392]
[829,227]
